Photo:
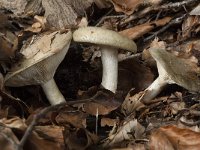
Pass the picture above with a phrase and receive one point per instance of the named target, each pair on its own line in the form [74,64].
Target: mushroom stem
[52,92]
[154,89]
[110,68]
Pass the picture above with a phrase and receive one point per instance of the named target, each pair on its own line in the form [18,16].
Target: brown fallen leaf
[51,133]
[79,139]
[22,7]
[108,122]
[189,26]
[128,129]
[173,138]
[139,30]
[77,118]
[129,6]
[101,104]
[8,140]
[8,45]
[61,14]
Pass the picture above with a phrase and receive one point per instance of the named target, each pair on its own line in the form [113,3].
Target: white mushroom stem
[154,89]
[52,92]
[157,86]
[110,68]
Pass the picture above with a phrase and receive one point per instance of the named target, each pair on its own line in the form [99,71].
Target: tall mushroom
[41,59]
[172,70]
[109,42]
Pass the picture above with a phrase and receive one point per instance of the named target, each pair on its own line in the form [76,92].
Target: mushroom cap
[41,59]
[100,36]
[178,70]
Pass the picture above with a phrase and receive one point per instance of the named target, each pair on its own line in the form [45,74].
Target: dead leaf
[130,129]
[189,25]
[139,30]
[77,119]
[8,45]
[8,140]
[79,139]
[126,6]
[108,122]
[101,104]
[173,138]
[51,133]
[129,6]
[176,107]
[62,14]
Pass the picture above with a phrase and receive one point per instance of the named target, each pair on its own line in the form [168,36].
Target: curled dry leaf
[51,133]
[102,107]
[189,26]
[108,122]
[22,7]
[77,119]
[79,139]
[174,138]
[175,107]
[129,6]
[61,14]
[139,30]
[15,122]
[130,129]
[8,140]
[8,45]
[37,26]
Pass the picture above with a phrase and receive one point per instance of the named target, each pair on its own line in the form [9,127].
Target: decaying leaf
[8,45]
[8,140]
[139,30]
[22,7]
[79,139]
[108,122]
[77,119]
[173,138]
[129,6]
[62,14]
[128,130]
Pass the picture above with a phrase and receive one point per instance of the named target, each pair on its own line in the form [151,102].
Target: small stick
[162,7]
[172,22]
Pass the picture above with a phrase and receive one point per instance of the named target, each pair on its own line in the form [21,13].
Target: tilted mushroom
[109,42]
[172,70]
[41,59]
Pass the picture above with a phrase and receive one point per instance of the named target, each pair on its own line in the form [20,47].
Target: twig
[172,22]
[108,17]
[152,8]
[38,116]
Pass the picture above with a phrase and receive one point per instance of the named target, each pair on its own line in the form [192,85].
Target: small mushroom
[172,70]
[41,59]
[109,42]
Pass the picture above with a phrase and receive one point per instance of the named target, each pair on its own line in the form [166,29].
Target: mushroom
[172,70]
[41,59]
[109,42]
